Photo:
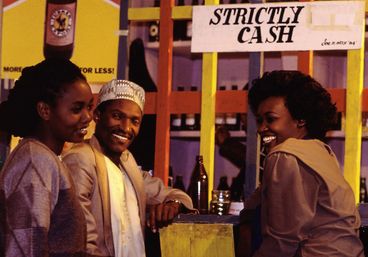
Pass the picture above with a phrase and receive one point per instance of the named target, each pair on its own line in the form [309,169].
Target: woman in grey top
[40,215]
[307,207]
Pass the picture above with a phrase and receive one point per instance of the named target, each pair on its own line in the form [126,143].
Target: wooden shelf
[195,134]
[242,134]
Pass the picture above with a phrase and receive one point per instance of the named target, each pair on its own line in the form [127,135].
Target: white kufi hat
[122,89]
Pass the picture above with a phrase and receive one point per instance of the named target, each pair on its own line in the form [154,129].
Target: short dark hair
[44,81]
[305,99]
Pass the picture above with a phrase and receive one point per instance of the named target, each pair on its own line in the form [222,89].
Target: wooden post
[162,147]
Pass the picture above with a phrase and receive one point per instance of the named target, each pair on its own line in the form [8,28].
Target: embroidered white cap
[122,89]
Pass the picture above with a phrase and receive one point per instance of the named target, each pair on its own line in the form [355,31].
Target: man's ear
[43,110]
[301,123]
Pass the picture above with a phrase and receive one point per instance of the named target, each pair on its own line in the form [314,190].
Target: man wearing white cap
[112,189]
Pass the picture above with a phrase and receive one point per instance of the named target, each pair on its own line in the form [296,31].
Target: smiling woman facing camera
[40,215]
[308,209]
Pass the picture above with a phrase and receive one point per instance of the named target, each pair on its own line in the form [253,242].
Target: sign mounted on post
[291,26]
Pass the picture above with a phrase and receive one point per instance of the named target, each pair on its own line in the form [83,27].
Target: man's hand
[162,214]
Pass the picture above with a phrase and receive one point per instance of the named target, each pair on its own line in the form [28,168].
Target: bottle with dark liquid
[220,117]
[189,24]
[180,26]
[363,198]
[223,184]
[232,120]
[179,184]
[192,120]
[198,187]
[154,27]
[59,28]
[143,147]
[177,119]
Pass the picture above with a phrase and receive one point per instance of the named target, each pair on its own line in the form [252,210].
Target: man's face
[117,125]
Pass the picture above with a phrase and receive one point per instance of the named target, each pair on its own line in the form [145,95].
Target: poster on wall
[291,26]
[85,31]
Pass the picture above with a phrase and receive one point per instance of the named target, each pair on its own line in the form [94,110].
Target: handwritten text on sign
[287,26]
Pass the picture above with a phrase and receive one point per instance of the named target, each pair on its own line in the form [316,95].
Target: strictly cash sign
[291,26]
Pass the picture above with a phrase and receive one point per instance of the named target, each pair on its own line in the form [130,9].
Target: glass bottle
[180,26]
[154,27]
[363,198]
[220,117]
[177,119]
[192,120]
[188,35]
[59,28]
[198,187]
[142,147]
[220,202]
[223,184]
[232,120]
[179,184]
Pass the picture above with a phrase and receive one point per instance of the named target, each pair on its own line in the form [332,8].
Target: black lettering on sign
[104,70]
[86,69]
[12,69]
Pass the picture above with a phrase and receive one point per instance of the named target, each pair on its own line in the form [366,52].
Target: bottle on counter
[223,184]
[179,183]
[180,26]
[198,187]
[232,120]
[192,120]
[236,196]
[154,27]
[59,28]
[220,117]
[177,119]
[363,197]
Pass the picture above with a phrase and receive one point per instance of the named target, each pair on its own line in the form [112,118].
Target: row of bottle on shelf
[191,121]
[363,196]
[182,28]
[223,198]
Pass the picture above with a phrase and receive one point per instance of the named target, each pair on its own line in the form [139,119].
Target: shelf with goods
[349,98]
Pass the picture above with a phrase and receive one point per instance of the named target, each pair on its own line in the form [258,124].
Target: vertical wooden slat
[305,62]
[253,145]
[162,147]
[305,58]
[123,41]
[353,129]
[208,109]
[256,60]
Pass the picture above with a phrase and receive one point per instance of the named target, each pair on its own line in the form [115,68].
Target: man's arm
[83,173]
[230,148]
[164,203]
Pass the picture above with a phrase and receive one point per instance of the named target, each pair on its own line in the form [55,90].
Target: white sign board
[291,26]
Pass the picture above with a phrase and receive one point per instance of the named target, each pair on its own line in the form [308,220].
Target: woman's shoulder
[301,146]
[32,150]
